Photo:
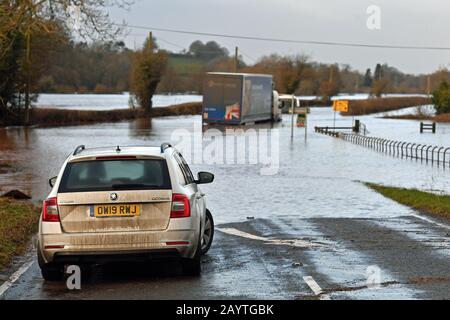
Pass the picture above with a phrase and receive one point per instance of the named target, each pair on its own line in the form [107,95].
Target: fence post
[432,154]
[417,150]
[357,126]
[427,152]
[421,152]
[439,153]
[421,127]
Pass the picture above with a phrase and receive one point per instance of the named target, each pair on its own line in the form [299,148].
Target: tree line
[33,39]
[80,67]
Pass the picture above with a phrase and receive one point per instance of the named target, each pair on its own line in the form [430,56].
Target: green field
[186,65]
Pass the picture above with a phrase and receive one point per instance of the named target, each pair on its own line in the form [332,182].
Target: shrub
[441,98]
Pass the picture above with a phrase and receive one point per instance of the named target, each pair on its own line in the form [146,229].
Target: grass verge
[430,203]
[376,105]
[18,222]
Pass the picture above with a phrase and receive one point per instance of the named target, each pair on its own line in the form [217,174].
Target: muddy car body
[124,203]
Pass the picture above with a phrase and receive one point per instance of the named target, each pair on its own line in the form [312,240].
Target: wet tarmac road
[317,232]
[402,257]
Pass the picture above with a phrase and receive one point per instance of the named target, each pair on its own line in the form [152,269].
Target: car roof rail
[165,146]
[79,149]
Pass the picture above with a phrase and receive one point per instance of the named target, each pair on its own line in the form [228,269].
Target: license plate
[117,210]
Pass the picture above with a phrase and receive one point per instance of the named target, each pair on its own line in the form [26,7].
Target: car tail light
[180,206]
[50,210]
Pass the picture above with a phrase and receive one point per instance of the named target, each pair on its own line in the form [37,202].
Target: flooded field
[106,101]
[318,175]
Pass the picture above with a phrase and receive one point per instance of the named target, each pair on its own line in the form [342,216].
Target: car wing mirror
[52,181]
[204,178]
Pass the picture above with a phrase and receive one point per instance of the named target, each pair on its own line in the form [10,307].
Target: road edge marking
[314,286]
[14,277]
[431,221]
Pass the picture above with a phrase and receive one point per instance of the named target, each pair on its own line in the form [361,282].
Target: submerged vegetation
[376,105]
[425,202]
[58,117]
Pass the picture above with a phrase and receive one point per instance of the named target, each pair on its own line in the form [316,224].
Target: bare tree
[21,19]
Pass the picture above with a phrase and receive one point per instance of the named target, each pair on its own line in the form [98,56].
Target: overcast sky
[403,22]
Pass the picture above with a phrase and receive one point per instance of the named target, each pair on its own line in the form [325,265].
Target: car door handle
[201,196]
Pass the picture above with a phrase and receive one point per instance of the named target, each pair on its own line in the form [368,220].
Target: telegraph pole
[236,60]
[28,77]
[150,37]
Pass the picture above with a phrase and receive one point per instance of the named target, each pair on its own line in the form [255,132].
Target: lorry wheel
[50,271]
[208,233]
[193,267]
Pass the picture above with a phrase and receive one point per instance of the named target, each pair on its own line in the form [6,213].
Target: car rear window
[108,175]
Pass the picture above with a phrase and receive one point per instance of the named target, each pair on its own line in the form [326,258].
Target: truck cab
[276,107]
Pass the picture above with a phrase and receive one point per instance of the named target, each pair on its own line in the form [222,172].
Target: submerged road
[404,257]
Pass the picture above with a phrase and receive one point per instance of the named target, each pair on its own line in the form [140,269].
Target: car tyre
[193,266]
[208,233]
[50,271]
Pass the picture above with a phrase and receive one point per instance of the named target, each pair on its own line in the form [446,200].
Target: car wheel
[50,271]
[193,267]
[208,233]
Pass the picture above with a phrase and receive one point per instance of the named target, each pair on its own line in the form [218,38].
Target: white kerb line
[14,277]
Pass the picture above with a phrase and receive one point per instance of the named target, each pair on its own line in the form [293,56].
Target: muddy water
[317,177]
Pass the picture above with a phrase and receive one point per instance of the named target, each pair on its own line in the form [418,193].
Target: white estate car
[122,204]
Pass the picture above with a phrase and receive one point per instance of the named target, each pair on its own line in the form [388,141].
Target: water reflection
[140,128]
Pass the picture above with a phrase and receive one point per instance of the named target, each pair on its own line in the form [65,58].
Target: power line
[171,43]
[325,43]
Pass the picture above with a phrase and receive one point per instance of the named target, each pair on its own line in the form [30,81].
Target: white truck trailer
[239,98]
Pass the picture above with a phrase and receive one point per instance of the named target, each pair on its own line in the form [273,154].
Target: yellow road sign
[340,106]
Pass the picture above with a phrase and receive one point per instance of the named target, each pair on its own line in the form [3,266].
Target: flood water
[317,177]
[121,101]
[106,101]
